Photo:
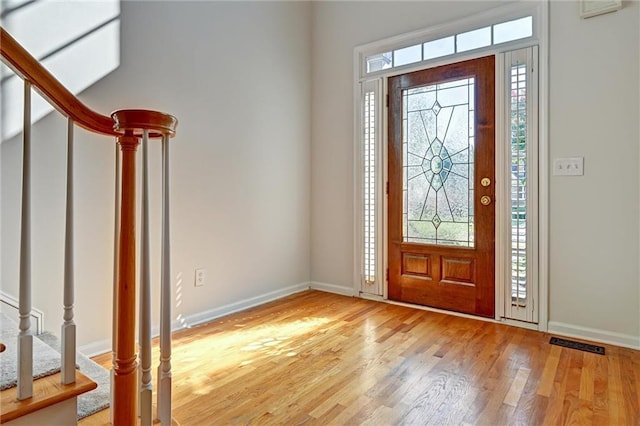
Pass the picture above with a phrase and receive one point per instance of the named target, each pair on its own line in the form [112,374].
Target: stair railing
[129,127]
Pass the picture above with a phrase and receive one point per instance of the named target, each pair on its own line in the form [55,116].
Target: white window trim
[540,12]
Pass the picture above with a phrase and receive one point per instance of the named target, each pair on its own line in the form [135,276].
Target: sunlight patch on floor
[240,348]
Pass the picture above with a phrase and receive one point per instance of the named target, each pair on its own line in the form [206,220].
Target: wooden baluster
[146,388]
[68,329]
[164,369]
[25,339]
[125,380]
[116,233]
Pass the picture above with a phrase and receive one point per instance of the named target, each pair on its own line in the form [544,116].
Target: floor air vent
[577,345]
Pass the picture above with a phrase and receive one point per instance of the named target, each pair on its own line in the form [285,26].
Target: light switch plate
[569,166]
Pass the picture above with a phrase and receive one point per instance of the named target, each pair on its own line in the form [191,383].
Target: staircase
[48,391]
[46,357]
[35,402]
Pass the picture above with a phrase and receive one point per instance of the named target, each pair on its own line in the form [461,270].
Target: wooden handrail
[29,69]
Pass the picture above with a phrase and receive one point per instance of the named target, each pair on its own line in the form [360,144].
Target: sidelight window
[521,108]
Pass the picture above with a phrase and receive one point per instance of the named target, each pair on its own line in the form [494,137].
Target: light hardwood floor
[320,358]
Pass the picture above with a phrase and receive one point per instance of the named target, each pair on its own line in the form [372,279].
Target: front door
[441,187]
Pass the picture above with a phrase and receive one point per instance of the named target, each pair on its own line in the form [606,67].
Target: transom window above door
[505,27]
[502,32]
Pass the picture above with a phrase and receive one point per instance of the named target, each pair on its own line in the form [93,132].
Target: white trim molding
[180,322]
[332,288]
[96,348]
[241,305]
[594,334]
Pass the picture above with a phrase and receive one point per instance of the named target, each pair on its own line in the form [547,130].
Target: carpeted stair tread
[96,400]
[46,350]
[46,360]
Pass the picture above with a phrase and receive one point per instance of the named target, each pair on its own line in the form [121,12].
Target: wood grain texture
[138,120]
[460,278]
[323,359]
[47,391]
[125,366]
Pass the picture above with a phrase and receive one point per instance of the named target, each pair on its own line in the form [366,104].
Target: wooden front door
[441,187]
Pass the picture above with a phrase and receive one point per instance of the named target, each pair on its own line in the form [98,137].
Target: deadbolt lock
[485,182]
[485,200]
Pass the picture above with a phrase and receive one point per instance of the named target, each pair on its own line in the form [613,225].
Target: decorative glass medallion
[438,139]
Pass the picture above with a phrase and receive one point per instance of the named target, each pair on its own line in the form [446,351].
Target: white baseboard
[104,346]
[332,288]
[95,348]
[374,297]
[593,334]
[211,314]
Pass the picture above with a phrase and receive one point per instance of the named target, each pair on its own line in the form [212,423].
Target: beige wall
[594,101]
[237,75]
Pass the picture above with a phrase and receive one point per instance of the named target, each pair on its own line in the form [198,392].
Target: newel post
[133,124]
[125,366]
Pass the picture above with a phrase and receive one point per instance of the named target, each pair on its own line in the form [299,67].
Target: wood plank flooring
[320,358]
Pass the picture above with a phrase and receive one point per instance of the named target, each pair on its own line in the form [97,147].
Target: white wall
[60,34]
[594,276]
[237,76]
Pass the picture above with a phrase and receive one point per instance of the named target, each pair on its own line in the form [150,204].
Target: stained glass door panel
[438,142]
[441,187]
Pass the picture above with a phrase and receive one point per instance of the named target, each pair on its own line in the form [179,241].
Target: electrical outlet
[201,276]
[573,166]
